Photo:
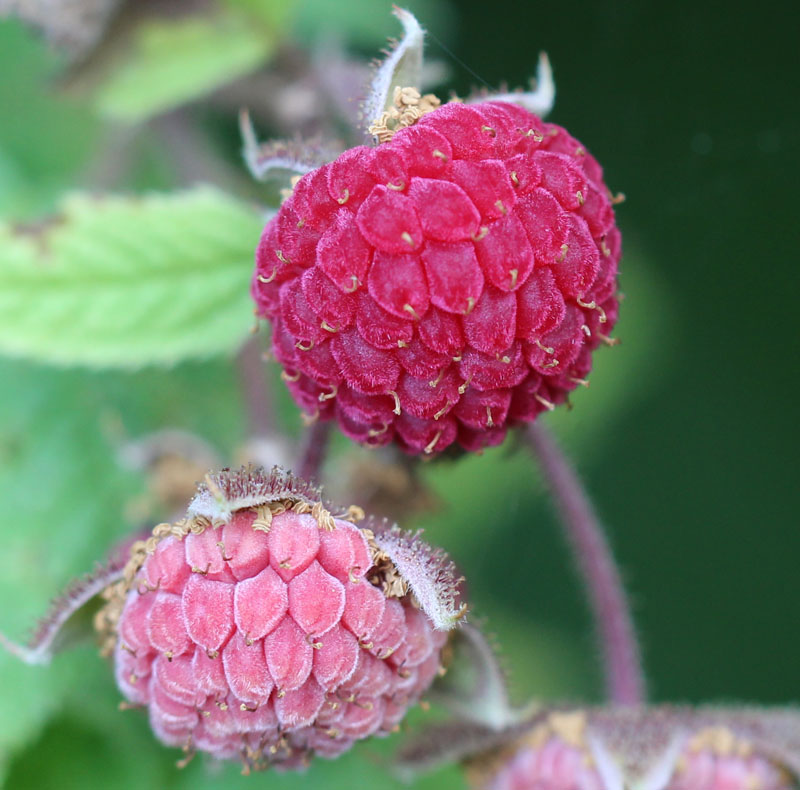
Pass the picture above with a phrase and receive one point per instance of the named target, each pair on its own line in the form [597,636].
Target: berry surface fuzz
[446,284]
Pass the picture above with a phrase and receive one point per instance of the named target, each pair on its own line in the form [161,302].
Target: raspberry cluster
[269,635]
[445,285]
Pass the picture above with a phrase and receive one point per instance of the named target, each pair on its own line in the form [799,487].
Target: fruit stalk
[256,394]
[615,630]
[312,451]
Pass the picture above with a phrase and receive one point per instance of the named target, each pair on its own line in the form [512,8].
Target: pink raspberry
[555,765]
[445,285]
[264,628]
[715,759]
[561,755]
[554,756]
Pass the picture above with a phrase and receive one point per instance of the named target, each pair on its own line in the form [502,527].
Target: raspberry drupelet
[265,629]
[445,285]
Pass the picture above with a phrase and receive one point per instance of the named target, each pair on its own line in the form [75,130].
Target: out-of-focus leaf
[273,13]
[63,504]
[171,62]
[72,25]
[122,281]
[365,22]
[45,139]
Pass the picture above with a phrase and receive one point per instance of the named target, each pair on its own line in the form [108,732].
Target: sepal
[66,622]
[402,67]
[539,100]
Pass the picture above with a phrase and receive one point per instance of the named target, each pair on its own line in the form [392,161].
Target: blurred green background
[687,438]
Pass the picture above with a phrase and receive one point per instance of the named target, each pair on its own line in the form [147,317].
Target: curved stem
[312,450]
[616,633]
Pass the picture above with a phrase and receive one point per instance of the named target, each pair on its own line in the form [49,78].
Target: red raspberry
[262,627]
[445,285]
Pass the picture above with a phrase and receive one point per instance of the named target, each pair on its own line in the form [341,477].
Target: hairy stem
[615,630]
[312,450]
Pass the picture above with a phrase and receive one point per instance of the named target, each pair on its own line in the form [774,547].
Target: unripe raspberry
[555,756]
[445,285]
[263,628]
[715,759]
[575,751]
[554,765]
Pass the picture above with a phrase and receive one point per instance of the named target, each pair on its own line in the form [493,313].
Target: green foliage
[68,501]
[125,281]
[45,139]
[364,22]
[171,62]
[52,455]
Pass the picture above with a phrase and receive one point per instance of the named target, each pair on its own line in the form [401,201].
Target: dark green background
[693,110]
[687,438]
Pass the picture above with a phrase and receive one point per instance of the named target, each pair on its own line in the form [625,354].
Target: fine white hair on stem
[540,100]
[403,67]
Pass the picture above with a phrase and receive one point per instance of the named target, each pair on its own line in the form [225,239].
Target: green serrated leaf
[123,282]
[174,61]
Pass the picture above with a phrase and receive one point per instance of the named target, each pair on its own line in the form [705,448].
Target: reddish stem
[312,450]
[616,633]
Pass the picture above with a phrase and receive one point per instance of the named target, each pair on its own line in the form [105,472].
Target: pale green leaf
[124,281]
[171,62]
